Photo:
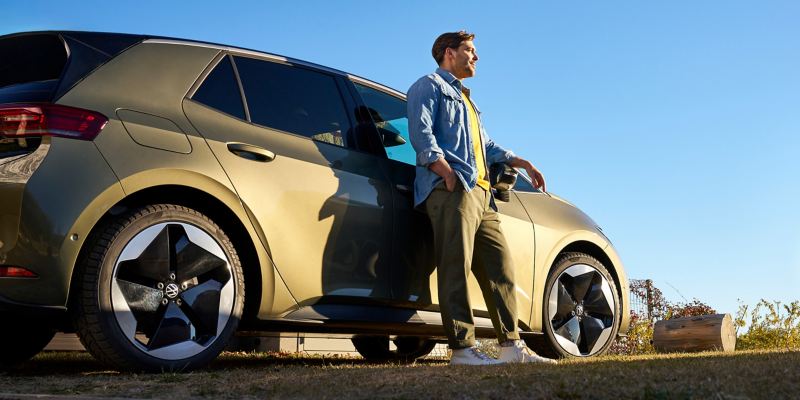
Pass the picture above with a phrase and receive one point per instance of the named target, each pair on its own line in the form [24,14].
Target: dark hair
[449,40]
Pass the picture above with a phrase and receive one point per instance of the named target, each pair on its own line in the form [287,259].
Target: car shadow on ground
[82,363]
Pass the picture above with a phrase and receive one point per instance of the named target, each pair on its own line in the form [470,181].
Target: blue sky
[675,125]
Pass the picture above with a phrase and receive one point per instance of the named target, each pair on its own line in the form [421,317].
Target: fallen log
[705,332]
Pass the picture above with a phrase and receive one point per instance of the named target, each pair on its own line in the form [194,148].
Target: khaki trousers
[467,237]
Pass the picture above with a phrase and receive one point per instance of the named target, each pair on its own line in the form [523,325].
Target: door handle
[251,152]
[403,188]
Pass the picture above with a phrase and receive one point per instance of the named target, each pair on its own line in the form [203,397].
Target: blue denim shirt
[438,125]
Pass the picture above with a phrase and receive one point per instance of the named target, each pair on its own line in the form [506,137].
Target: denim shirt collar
[452,80]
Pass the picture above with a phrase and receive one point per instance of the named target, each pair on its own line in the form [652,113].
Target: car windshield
[524,183]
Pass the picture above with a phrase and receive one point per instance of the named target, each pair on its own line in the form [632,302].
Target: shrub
[638,340]
[693,308]
[772,326]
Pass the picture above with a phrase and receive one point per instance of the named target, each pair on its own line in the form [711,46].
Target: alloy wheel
[172,290]
[581,310]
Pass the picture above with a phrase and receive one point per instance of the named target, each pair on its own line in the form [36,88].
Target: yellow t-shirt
[477,143]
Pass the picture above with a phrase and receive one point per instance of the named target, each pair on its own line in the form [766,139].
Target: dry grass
[752,374]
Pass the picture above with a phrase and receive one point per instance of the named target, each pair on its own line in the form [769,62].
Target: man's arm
[495,153]
[423,103]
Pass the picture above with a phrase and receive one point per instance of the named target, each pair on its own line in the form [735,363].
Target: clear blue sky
[675,125]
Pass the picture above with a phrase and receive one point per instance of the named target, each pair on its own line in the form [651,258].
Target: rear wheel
[20,340]
[161,290]
[580,311]
[408,348]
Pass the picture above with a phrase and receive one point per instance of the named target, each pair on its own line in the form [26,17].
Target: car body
[297,177]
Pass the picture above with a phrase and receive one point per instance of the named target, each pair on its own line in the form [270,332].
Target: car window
[294,99]
[391,119]
[221,91]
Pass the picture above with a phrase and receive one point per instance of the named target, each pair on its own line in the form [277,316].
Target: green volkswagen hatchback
[159,196]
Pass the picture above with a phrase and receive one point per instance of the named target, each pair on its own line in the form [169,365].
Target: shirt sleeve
[423,102]
[494,152]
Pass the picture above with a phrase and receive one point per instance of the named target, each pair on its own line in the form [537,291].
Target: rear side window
[30,67]
[41,67]
[294,99]
[221,91]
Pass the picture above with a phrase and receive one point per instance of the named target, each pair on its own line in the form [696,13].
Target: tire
[376,348]
[20,340]
[580,313]
[161,289]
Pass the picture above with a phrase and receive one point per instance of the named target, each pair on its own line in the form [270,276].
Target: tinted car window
[30,76]
[221,91]
[391,119]
[294,99]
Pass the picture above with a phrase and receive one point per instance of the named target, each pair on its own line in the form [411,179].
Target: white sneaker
[471,356]
[518,352]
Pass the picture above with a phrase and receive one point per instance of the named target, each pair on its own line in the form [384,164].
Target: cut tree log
[701,333]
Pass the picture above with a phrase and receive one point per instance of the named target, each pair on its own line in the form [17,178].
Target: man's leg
[494,270]
[454,218]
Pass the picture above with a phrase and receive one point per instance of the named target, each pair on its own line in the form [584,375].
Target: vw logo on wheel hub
[171,290]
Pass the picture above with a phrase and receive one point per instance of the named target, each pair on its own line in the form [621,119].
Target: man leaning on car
[452,186]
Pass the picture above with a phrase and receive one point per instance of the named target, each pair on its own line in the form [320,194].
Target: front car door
[412,270]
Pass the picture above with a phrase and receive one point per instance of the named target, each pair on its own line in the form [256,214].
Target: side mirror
[390,138]
[502,178]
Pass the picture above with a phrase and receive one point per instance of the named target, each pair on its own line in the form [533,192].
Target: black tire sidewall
[131,226]
[562,264]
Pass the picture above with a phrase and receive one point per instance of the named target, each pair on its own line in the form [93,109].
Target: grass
[740,375]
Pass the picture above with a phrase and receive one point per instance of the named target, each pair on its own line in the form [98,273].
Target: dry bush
[772,326]
[638,340]
[693,308]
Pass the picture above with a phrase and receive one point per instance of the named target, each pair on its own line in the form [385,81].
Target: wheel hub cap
[581,310]
[172,290]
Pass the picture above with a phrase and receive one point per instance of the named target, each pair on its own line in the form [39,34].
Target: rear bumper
[9,307]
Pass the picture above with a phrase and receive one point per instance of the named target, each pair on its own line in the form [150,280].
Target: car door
[412,263]
[323,206]
[413,277]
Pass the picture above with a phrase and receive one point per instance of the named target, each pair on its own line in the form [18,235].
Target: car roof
[241,50]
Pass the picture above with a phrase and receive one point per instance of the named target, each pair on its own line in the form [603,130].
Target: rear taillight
[10,271]
[25,120]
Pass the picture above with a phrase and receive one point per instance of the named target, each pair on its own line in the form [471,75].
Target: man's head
[454,52]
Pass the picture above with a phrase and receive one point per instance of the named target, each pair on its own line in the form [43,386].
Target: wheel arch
[591,249]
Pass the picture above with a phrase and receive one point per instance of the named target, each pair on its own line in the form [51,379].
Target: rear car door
[323,206]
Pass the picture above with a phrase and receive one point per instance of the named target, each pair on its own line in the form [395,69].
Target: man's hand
[536,176]
[442,168]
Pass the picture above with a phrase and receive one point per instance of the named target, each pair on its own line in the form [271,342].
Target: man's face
[463,60]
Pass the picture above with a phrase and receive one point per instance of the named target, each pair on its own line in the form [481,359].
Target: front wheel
[161,290]
[580,311]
